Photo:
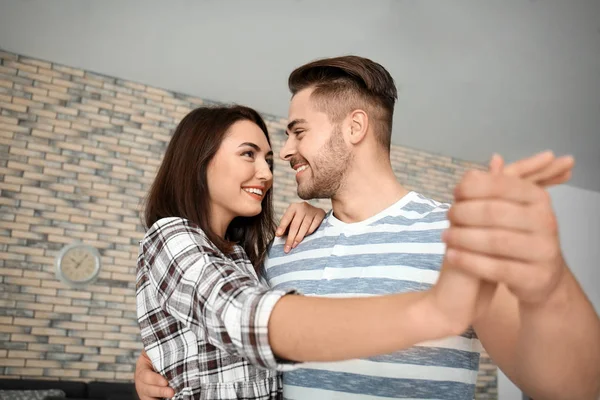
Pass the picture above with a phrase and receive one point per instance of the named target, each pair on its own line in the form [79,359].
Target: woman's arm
[226,305]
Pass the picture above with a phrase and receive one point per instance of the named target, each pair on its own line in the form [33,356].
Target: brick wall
[78,151]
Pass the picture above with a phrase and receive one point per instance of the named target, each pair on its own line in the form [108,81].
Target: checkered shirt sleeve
[219,298]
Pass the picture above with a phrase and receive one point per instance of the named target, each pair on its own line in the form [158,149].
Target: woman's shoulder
[172,223]
[179,230]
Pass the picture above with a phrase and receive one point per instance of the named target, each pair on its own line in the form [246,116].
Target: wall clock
[78,265]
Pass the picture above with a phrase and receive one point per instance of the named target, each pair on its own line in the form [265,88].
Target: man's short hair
[344,84]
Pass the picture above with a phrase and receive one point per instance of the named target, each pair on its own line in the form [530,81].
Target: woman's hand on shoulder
[300,219]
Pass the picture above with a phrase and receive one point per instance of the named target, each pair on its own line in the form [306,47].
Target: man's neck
[366,192]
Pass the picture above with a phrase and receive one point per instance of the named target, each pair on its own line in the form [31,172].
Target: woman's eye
[248,153]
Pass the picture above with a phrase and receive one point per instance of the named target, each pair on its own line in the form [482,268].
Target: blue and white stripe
[398,250]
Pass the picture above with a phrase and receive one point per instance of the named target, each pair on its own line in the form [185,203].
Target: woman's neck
[219,221]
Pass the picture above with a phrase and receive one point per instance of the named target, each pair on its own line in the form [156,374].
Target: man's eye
[299,131]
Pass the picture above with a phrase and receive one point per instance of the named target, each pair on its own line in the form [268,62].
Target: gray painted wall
[578,213]
[513,77]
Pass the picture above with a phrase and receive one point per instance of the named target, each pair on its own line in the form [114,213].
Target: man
[499,238]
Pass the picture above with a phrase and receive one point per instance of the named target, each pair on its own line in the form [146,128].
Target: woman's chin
[250,211]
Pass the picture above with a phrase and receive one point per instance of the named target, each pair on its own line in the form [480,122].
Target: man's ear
[359,124]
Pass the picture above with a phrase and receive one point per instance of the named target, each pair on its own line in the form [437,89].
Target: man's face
[315,149]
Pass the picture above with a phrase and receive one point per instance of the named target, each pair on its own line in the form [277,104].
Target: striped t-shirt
[397,250]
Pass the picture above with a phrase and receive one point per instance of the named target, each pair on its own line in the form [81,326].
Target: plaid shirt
[203,316]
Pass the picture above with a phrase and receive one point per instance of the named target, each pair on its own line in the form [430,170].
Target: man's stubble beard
[328,170]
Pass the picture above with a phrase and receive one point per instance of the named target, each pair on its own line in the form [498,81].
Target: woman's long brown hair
[180,188]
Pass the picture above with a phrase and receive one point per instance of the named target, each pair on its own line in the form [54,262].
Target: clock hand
[82,260]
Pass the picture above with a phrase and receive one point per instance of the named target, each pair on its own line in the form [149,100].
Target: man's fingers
[483,185]
[555,169]
[151,378]
[565,177]
[496,164]
[529,282]
[529,165]
[157,392]
[501,243]
[151,385]
[488,268]
[543,169]
[166,393]
[145,371]
[493,214]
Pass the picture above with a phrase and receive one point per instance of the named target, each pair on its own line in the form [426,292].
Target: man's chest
[356,266]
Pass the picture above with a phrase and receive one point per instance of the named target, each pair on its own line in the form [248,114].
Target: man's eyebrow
[295,122]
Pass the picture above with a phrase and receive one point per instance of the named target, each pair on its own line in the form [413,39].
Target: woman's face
[240,173]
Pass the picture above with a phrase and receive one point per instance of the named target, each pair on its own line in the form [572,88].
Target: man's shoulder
[414,208]
[424,203]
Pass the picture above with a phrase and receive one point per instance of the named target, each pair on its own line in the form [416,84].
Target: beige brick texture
[78,151]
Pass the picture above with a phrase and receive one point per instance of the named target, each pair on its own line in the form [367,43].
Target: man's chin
[303,193]
[309,194]
[305,196]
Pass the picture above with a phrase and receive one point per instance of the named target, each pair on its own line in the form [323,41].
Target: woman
[208,323]
[210,219]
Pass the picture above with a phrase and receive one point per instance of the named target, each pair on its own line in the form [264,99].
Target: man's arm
[540,329]
[549,351]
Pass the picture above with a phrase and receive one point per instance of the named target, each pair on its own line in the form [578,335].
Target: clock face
[78,264]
